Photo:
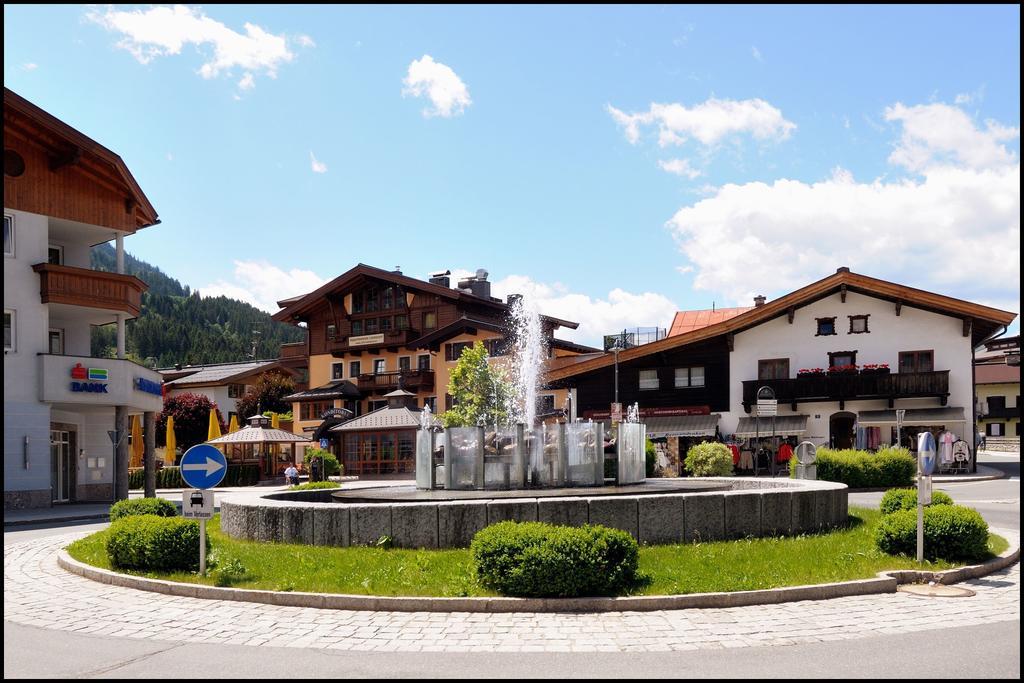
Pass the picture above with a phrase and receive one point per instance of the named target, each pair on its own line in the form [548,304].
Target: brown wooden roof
[983,320]
[26,121]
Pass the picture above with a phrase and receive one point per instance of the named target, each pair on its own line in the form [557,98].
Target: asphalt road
[985,651]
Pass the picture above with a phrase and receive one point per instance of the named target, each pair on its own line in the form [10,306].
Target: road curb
[57,520]
[885,582]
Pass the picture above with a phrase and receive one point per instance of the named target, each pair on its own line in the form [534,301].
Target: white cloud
[317,166]
[680,167]
[247,82]
[161,31]
[934,133]
[756,53]
[440,84]
[954,229]
[170,157]
[306,41]
[261,284]
[29,66]
[708,122]
[971,97]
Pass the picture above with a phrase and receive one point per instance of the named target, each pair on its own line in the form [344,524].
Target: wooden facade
[91,288]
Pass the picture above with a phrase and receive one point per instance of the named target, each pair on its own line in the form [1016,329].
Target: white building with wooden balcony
[63,194]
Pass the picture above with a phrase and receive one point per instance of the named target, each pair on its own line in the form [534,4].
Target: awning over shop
[923,417]
[683,425]
[785,425]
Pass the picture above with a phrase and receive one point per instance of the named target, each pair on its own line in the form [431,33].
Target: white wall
[217,394]
[913,330]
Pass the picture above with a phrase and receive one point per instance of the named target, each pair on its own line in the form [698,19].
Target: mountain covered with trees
[178,326]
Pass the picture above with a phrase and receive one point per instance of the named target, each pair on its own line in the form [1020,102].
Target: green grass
[673,569]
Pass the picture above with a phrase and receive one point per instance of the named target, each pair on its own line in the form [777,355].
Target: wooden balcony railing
[848,387]
[411,380]
[371,340]
[90,288]
[293,350]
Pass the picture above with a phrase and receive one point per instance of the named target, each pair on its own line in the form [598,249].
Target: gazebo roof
[259,435]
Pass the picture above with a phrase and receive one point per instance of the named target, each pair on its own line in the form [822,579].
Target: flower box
[875,369]
[838,371]
[810,372]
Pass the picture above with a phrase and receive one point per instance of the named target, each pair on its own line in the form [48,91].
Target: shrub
[709,459]
[951,532]
[315,485]
[533,559]
[651,459]
[906,499]
[170,477]
[331,464]
[160,507]
[888,467]
[148,542]
[228,572]
[136,477]
[191,419]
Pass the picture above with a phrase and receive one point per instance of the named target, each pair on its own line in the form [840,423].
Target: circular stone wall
[750,507]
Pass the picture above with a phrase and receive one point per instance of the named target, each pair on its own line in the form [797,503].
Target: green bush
[136,478]
[533,559]
[331,464]
[228,572]
[160,507]
[951,532]
[170,477]
[148,542]
[651,459]
[906,499]
[888,467]
[709,459]
[315,485]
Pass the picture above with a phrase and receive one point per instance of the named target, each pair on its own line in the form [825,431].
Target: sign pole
[920,512]
[202,547]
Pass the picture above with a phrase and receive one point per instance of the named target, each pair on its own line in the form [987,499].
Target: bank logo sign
[90,380]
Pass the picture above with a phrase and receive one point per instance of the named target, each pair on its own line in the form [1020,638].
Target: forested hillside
[177,326]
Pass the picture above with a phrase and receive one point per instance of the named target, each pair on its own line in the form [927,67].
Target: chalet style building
[63,194]
[379,348]
[839,356]
[997,382]
[222,383]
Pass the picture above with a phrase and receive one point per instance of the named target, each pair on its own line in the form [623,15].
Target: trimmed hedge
[148,542]
[906,499]
[315,485]
[887,468]
[951,532]
[161,507]
[534,559]
[330,461]
[709,459]
[170,477]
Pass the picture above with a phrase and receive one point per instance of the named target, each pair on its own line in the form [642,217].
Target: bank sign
[90,380]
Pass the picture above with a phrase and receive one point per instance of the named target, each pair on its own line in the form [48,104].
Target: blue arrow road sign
[926,452]
[203,466]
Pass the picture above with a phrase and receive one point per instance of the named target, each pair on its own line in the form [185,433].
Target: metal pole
[920,514]
[616,350]
[202,547]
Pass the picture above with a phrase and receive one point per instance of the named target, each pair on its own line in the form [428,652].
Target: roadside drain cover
[936,590]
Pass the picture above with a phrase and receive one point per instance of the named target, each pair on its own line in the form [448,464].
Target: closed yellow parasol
[233,426]
[137,445]
[172,444]
[214,431]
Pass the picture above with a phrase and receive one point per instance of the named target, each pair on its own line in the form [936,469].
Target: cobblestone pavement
[37,592]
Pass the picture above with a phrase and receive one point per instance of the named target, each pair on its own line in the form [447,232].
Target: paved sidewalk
[37,592]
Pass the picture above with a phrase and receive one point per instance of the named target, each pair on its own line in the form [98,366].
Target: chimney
[759,300]
[441,279]
[477,285]
[177,366]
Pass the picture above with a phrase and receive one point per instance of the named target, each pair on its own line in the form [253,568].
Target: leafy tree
[267,395]
[191,419]
[480,391]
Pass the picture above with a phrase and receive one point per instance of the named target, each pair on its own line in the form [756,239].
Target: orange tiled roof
[688,321]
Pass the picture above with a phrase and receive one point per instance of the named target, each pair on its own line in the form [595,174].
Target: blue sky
[616,163]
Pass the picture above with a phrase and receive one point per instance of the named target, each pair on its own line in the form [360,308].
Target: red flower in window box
[843,369]
[875,369]
[810,371]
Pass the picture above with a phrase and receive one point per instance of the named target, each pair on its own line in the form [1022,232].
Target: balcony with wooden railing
[90,288]
[372,340]
[844,387]
[293,350]
[411,380]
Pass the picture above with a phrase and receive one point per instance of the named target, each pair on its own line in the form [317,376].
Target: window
[996,405]
[9,332]
[385,324]
[55,255]
[378,366]
[404,363]
[430,402]
[842,359]
[916,361]
[371,325]
[690,377]
[357,327]
[545,404]
[496,347]
[56,342]
[371,299]
[389,298]
[332,331]
[401,322]
[353,369]
[773,368]
[8,235]
[648,379]
[994,429]
[236,390]
[337,370]
[357,302]
[429,320]
[312,410]
[423,362]
[859,324]
[826,326]
[452,352]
